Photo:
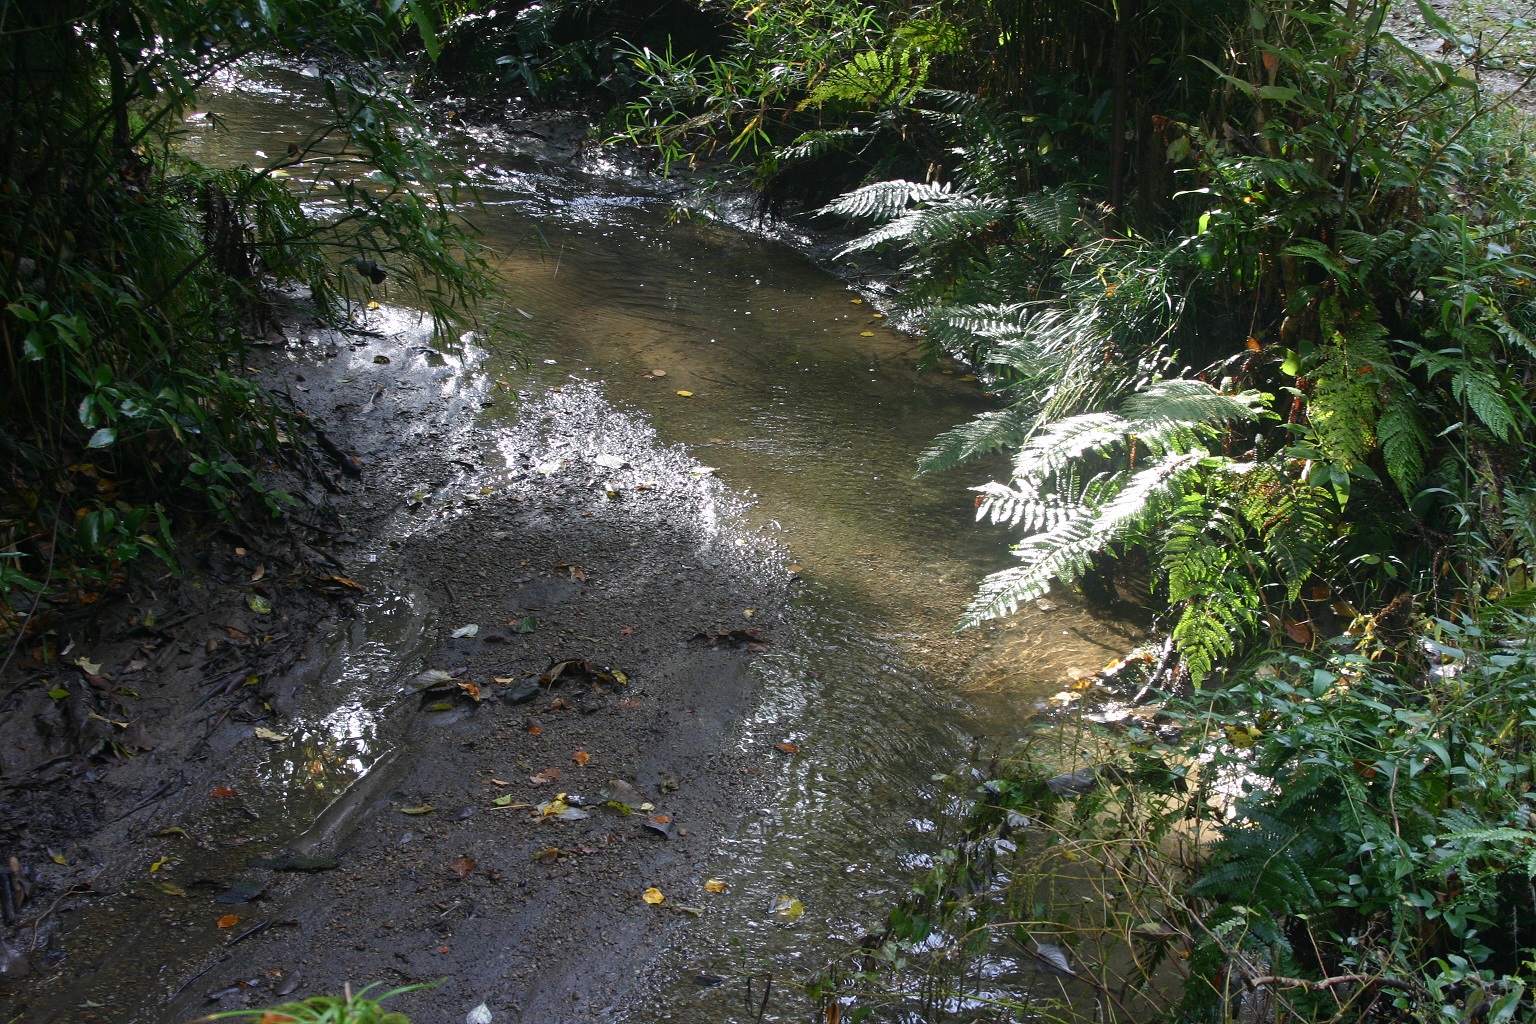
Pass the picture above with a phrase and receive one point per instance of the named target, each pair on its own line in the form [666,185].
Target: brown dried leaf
[461,867]
[545,777]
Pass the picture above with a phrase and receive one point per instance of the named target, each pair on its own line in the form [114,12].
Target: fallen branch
[1277,981]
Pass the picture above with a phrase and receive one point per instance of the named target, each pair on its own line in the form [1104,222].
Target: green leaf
[426,25]
[58,693]
[103,438]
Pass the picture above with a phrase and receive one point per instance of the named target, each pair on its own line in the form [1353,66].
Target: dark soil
[143,807]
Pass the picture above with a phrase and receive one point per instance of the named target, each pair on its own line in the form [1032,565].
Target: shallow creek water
[809,405]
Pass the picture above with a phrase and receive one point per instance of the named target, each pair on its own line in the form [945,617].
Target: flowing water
[806,401]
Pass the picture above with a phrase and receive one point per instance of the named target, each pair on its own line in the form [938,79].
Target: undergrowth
[1339,837]
[130,275]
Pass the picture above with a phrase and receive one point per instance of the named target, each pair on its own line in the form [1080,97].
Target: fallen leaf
[526,624]
[1298,631]
[545,777]
[259,604]
[221,792]
[342,580]
[170,888]
[422,809]
[795,568]
[715,885]
[502,801]
[685,394]
[479,1015]
[866,334]
[534,730]
[263,733]
[156,866]
[658,373]
[58,693]
[470,689]
[461,866]
[174,830]
[373,305]
[610,462]
[463,631]
[652,896]
[662,819]
[229,920]
[92,668]
[581,757]
[788,748]
[857,302]
[256,576]
[788,908]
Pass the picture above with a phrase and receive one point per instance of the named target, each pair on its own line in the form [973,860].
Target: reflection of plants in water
[1337,838]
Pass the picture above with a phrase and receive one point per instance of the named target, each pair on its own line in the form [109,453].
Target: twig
[156,795]
[1277,981]
[74,890]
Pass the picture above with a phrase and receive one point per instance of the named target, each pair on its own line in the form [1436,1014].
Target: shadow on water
[802,398]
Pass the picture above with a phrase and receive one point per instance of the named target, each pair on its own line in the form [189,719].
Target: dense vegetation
[1251,279]
[130,275]
[1254,282]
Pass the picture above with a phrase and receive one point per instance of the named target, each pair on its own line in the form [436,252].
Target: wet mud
[335,781]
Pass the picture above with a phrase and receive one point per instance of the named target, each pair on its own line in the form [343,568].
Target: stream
[809,407]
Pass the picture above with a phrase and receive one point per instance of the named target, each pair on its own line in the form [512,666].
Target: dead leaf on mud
[271,736]
[339,582]
[545,777]
[788,748]
[229,920]
[170,888]
[422,809]
[464,631]
[526,624]
[715,885]
[685,394]
[461,867]
[256,576]
[502,801]
[471,690]
[581,757]
[548,855]
[259,604]
[221,792]
[583,671]
[431,679]
[653,896]
[743,639]
[479,1015]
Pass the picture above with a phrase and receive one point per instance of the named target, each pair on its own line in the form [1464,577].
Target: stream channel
[811,411]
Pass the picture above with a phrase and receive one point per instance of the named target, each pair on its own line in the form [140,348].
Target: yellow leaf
[788,908]
[229,920]
[715,885]
[857,302]
[423,809]
[652,896]
[685,394]
[866,334]
[157,865]
[373,305]
[58,858]
[581,757]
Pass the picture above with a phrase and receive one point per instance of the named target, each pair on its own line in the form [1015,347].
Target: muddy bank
[325,753]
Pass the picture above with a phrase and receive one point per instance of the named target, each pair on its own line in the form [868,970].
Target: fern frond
[1064,552]
[988,432]
[884,199]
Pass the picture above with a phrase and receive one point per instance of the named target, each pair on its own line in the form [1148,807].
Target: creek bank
[570,536]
